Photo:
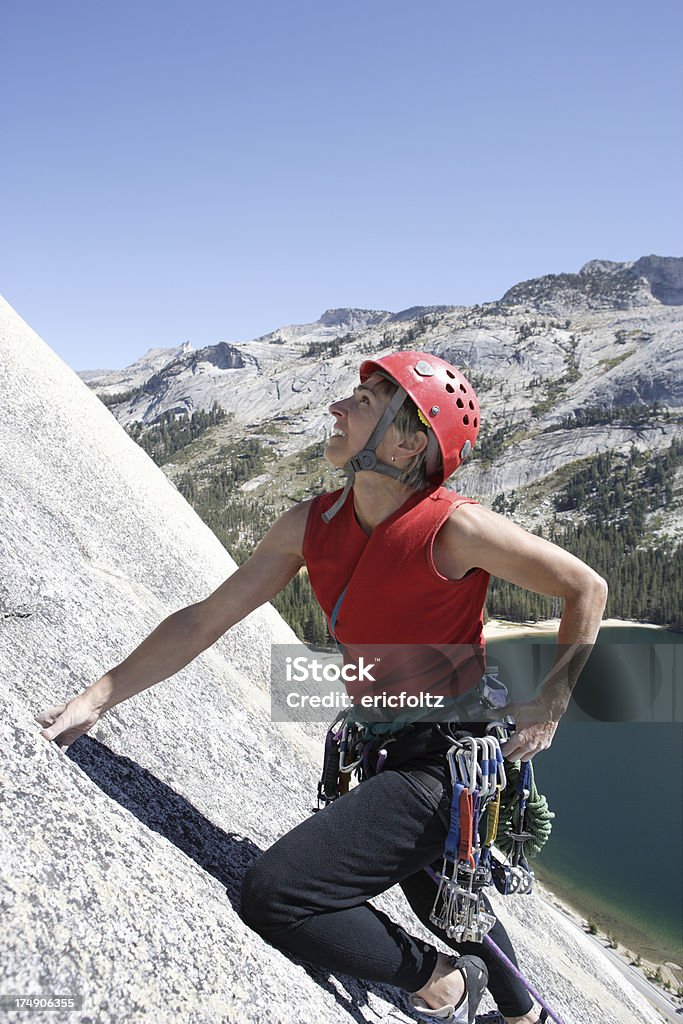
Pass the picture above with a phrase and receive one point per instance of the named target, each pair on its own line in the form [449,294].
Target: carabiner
[469,741]
[343,749]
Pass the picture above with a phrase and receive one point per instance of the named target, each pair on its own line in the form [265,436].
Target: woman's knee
[265,907]
[254,899]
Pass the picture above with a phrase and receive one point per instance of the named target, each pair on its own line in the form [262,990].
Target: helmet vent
[466,420]
[460,404]
[449,373]
[471,405]
[463,389]
[450,389]
[476,423]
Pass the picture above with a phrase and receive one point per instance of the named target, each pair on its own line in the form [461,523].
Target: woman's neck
[376,497]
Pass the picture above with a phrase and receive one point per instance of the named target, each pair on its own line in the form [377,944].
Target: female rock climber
[393,558]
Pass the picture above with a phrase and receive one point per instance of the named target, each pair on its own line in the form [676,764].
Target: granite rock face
[664,275]
[121,861]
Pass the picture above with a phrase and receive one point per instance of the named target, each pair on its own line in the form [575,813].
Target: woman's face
[355,418]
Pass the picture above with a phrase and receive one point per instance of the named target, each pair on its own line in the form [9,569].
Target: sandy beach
[495,629]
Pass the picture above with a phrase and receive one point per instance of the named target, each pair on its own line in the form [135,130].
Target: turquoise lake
[616,786]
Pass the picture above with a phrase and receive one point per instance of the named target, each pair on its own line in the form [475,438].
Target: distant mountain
[140,371]
[602,284]
[579,375]
[553,354]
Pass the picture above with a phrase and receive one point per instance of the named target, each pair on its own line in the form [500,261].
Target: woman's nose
[337,408]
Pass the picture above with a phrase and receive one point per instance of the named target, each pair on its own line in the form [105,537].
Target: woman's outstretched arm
[186,633]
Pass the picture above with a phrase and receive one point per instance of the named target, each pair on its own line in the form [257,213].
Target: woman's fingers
[50,715]
[54,721]
[66,722]
[528,740]
[58,726]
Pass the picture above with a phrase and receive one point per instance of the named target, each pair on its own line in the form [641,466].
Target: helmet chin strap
[366,460]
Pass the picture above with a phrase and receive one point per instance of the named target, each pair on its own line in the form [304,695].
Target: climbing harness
[361,748]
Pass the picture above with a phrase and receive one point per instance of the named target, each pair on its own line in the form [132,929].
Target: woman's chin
[335,462]
[333,457]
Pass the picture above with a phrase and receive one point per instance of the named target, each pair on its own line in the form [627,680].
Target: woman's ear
[414,445]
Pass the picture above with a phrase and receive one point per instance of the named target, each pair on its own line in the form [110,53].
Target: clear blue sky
[211,170]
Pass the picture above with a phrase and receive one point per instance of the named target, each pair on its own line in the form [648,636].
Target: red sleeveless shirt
[394,592]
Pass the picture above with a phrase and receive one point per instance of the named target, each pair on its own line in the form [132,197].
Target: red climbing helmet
[444,397]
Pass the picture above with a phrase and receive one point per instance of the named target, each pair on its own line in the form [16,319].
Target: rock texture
[121,861]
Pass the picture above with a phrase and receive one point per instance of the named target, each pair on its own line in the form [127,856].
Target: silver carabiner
[469,741]
[483,749]
[343,749]
[495,762]
[451,755]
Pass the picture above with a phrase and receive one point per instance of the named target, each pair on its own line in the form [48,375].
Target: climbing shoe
[496,1017]
[475,977]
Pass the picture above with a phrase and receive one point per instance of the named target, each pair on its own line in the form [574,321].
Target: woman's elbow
[602,588]
[587,585]
[596,586]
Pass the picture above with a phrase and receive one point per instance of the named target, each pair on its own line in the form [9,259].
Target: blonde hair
[408,423]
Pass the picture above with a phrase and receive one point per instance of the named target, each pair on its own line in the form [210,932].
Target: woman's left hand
[534,730]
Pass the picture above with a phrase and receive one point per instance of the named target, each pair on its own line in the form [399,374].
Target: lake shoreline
[496,629]
[645,953]
[629,954]
[654,946]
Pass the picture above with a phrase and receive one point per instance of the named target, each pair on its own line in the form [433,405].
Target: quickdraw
[477,777]
[517,877]
[348,751]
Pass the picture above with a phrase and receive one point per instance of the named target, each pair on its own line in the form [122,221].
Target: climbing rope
[535,811]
